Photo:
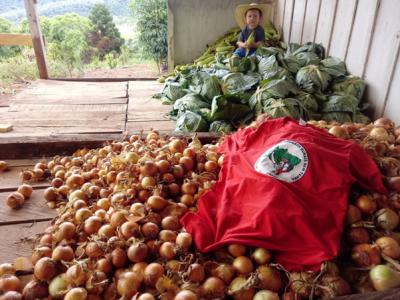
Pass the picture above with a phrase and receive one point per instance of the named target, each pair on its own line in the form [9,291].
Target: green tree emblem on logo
[283,161]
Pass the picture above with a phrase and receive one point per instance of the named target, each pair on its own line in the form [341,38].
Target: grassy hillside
[14,10]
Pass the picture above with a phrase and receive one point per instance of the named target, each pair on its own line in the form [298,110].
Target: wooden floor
[82,112]
[19,228]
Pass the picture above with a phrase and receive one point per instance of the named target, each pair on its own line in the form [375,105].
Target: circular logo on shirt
[286,161]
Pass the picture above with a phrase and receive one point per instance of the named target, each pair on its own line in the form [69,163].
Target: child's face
[252,18]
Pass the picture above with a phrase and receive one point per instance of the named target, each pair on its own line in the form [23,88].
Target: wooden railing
[35,39]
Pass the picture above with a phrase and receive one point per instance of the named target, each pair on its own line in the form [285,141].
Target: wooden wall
[364,33]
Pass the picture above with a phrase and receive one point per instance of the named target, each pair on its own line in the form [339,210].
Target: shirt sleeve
[364,170]
[241,36]
[260,34]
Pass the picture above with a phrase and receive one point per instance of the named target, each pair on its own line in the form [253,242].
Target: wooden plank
[383,56]
[14,39]
[287,20]
[10,180]
[311,21]
[391,109]
[37,38]
[98,108]
[361,36]
[325,22]
[278,16]
[342,28]
[83,116]
[35,209]
[20,239]
[136,126]
[28,162]
[393,294]
[298,21]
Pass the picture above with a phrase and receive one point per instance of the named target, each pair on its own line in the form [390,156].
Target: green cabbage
[205,85]
[235,83]
[351,85]
[191,122]
[191,102]
[312,79]
[280,88]
[267,64]
[341,117]
[221,127]
[287,107]
[311,47]
[340,103]
[173,90]
[334,66]
[222,109]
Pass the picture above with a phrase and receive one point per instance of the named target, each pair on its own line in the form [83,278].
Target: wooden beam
[12,39]
[37,39]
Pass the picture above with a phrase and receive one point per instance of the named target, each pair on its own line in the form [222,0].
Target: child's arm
[241,44]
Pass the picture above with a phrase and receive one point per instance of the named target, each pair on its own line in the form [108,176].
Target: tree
[105,36]
[67,39]
[7,51]
[152,26]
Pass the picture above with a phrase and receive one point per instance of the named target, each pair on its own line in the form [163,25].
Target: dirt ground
[133,71]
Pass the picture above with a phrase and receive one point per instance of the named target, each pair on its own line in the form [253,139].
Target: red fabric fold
[301,221]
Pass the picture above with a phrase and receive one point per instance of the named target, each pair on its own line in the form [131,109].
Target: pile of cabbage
[292,80]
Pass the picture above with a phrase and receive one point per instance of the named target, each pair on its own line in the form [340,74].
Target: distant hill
[14,10]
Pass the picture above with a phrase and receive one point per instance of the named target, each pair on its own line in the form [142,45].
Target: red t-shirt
[284,187]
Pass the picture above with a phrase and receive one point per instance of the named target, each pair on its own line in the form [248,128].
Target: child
[250,17]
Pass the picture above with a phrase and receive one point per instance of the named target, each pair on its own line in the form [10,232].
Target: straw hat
[243,8]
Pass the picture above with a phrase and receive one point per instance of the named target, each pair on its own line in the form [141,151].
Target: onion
[35,290]
[75,181]
[339,132]
[184,240]
[379,134]
[76,275]
[333,286]
[63,253]
[176,146]
[11,295]
[266,295]
[269,278]
[7,268]
[167,236]
[385,123]
[152,273]
[394,183]
[96,282]
[92,225]
[365,255]
[187,163]
[171,223]
[389,247]
[138,252]
[10,283]
[58,286]
[51,194]
[156,203]
[45,269]
[107,231]
[146,296]
[119,257]
[163,166]
[211,166]
[358,236]
[148,168]
[189,188]
[167,250]
[261,256]
[118,218]
[128,284]
[242,265]
[353,214]
[3,166]
[236,250]
[25,190]
[93,250]
[239,290]
[104,265]
[366,204]
[186,295]
[387,219]
[76,294]
[224,272]
[65,231]
[129,229]
[384,278]
[212,287]
[15,200]
[150,230]
[196,273]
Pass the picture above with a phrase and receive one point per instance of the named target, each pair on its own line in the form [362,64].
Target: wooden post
[37,39]
[171,45]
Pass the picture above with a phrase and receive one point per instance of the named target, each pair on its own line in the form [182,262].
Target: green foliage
[152,26]
[7,51]
[105,35]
